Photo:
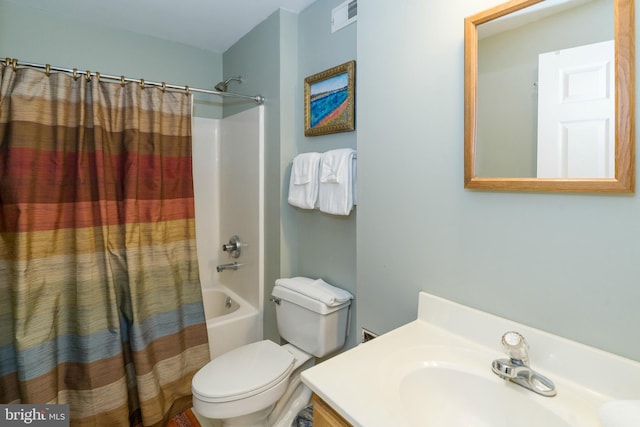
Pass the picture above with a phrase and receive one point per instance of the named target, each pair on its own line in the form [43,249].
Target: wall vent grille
[343,15]
[353,9]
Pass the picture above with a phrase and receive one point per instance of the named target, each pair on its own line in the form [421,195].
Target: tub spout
[231,266]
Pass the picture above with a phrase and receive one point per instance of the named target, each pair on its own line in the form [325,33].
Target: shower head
[222,86]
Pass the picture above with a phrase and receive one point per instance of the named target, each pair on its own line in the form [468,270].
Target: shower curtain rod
[14,63]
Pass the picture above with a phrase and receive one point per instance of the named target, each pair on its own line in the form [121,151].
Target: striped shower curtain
[100,303]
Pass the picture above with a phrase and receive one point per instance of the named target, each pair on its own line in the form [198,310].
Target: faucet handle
[234,247]
[516,347]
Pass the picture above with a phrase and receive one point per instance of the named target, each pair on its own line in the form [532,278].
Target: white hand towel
[337,181]
[317,289]
[303,185]
[620,413]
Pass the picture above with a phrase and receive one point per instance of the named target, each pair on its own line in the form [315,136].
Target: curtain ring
[186,89]
[75,74]
[14,64]
[47,70]
[142,83]
[164,86]
[88,74]
[7,61]
[122,81]
[98,77]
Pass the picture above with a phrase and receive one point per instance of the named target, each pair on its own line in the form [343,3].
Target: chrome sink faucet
[516,369]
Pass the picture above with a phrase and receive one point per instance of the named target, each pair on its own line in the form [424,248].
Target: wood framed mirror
[587,153]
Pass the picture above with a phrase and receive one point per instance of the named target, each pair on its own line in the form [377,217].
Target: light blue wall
[33,36]
[325,245]
[565,263]
[275,57]
[266,60]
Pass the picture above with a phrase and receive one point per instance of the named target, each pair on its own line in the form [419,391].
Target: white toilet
[243,386]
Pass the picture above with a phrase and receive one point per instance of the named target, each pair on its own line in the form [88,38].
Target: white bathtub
[231,321]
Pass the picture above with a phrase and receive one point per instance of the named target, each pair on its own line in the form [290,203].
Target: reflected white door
[576,112]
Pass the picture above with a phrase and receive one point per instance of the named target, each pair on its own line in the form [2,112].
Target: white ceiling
[214,25]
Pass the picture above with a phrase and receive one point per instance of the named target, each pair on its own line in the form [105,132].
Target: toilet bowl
[243,386]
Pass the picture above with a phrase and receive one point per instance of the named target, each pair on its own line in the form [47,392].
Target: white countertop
[351,382]
[356,382]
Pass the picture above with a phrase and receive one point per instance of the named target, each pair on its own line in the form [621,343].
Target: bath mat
[304,418]
[184,419]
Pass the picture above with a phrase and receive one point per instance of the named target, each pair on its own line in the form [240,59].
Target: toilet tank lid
[304,301]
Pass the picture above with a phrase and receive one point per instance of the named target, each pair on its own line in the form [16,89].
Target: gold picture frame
[329,100]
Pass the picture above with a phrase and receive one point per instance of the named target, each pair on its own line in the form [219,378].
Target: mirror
[537,120]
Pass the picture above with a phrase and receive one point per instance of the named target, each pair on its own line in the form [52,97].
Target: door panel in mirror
[576,112]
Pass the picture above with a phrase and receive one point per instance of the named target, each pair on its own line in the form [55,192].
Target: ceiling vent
[344,14]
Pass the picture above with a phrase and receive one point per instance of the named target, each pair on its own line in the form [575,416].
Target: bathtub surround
[228,171]
[228,187]
[231,320]
[102,307]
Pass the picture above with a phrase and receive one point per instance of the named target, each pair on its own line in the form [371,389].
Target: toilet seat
[243,372]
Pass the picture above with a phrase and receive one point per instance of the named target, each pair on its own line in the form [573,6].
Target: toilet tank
[309,324]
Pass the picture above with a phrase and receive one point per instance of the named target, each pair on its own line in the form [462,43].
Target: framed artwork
[329,100]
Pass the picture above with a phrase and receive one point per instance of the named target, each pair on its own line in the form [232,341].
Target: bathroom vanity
[325,416]
[437,371]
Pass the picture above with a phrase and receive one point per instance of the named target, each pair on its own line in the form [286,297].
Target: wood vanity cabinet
[325,416]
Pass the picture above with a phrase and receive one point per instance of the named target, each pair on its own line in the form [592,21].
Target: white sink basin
[455,387]
[442,396]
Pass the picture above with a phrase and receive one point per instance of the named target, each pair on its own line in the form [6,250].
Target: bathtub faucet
[231,266]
